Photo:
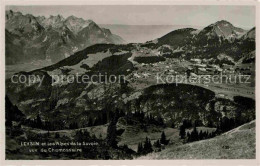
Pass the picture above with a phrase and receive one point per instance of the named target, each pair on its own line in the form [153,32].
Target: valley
[140,118]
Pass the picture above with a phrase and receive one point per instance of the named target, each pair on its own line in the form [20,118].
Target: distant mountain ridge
[142,33]
[250,35]
[220,37]
[222,29]
[53,38]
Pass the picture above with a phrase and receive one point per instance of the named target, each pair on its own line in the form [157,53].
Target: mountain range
[220,38]
[138,104]
[31,38]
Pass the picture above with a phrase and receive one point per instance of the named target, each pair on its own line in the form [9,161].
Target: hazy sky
[242,16]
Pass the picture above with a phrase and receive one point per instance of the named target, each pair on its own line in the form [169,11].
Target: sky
[241,16]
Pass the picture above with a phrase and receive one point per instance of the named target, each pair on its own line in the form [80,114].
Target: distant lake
[142,33]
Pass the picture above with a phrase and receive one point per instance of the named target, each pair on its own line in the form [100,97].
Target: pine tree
[194,134]
[140,148]
[90,121]
[210,124]
[213,133]
[147,146]
[206,135]
[39,122]
[79,136]
[111,133]
[188,137]
[163,139]
[182,132]
[57,135]
[157,144]
[160,121]
[200,135]
[172,125]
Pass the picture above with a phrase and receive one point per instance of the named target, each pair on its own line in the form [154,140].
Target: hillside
[79,92]
[169,101]
[220,37]
[238,143]
[250,35]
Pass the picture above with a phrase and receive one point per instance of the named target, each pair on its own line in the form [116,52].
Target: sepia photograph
[130,82]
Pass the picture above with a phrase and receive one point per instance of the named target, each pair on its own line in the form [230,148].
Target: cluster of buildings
[200,68]
[245,69]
